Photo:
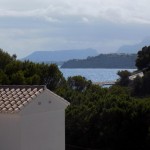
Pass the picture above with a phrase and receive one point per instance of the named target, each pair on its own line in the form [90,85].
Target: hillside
[60,56]
[103,61]
[133,49]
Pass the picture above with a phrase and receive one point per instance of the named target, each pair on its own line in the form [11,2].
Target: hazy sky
[31,25]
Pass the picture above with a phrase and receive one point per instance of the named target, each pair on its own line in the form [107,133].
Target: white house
[31,118]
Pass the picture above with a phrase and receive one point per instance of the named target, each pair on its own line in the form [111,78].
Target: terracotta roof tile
[14,98]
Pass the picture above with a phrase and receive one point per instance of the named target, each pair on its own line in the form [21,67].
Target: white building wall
[10,132]
[43,131]
[43,123]
[39,126]
[45,102]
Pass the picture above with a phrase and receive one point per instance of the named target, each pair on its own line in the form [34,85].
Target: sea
[95,75]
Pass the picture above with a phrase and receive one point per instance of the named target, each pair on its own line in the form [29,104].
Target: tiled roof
[14,97]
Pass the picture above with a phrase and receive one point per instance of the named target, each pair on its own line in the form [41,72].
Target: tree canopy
[5,59]
[143,58]
[13,71]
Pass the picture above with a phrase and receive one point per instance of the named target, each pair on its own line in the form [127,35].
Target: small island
[104,61]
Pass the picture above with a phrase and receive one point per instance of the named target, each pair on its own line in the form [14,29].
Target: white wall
[43,123]
[39,126]
[10,132]
[45,102]
[44,131]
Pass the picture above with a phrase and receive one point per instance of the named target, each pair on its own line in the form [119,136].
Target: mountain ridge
[133,49]
[60,55]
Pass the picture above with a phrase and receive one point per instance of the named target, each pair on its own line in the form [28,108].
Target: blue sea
[95,75]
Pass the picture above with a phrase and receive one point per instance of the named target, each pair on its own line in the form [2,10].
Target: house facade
[31,118]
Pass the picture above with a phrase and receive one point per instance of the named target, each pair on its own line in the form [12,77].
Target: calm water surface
[95,75]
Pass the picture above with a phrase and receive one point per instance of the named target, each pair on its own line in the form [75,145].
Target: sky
[48,25]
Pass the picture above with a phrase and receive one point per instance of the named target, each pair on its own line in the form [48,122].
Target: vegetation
[103,61]
[15,72]
[139,86]
[110,119]
[98,118]
[143,59]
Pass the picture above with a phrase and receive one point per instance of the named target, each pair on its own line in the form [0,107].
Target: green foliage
[100,118]
[137,86]
[124,78]
[146,83]
[5,59]
[143,58]
[35,79]
[13,67]
[78,83]
[53,78]
[112,122]
[3,78]
[16,72]
[140,85]
[18,78]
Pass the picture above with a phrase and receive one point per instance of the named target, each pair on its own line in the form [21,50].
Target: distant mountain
[103,61]
[134,48]
[61,55]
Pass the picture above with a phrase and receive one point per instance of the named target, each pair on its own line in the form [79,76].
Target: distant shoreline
[95,68]
[104,61]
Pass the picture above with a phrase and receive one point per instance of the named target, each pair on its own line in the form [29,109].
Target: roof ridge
[23,86]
